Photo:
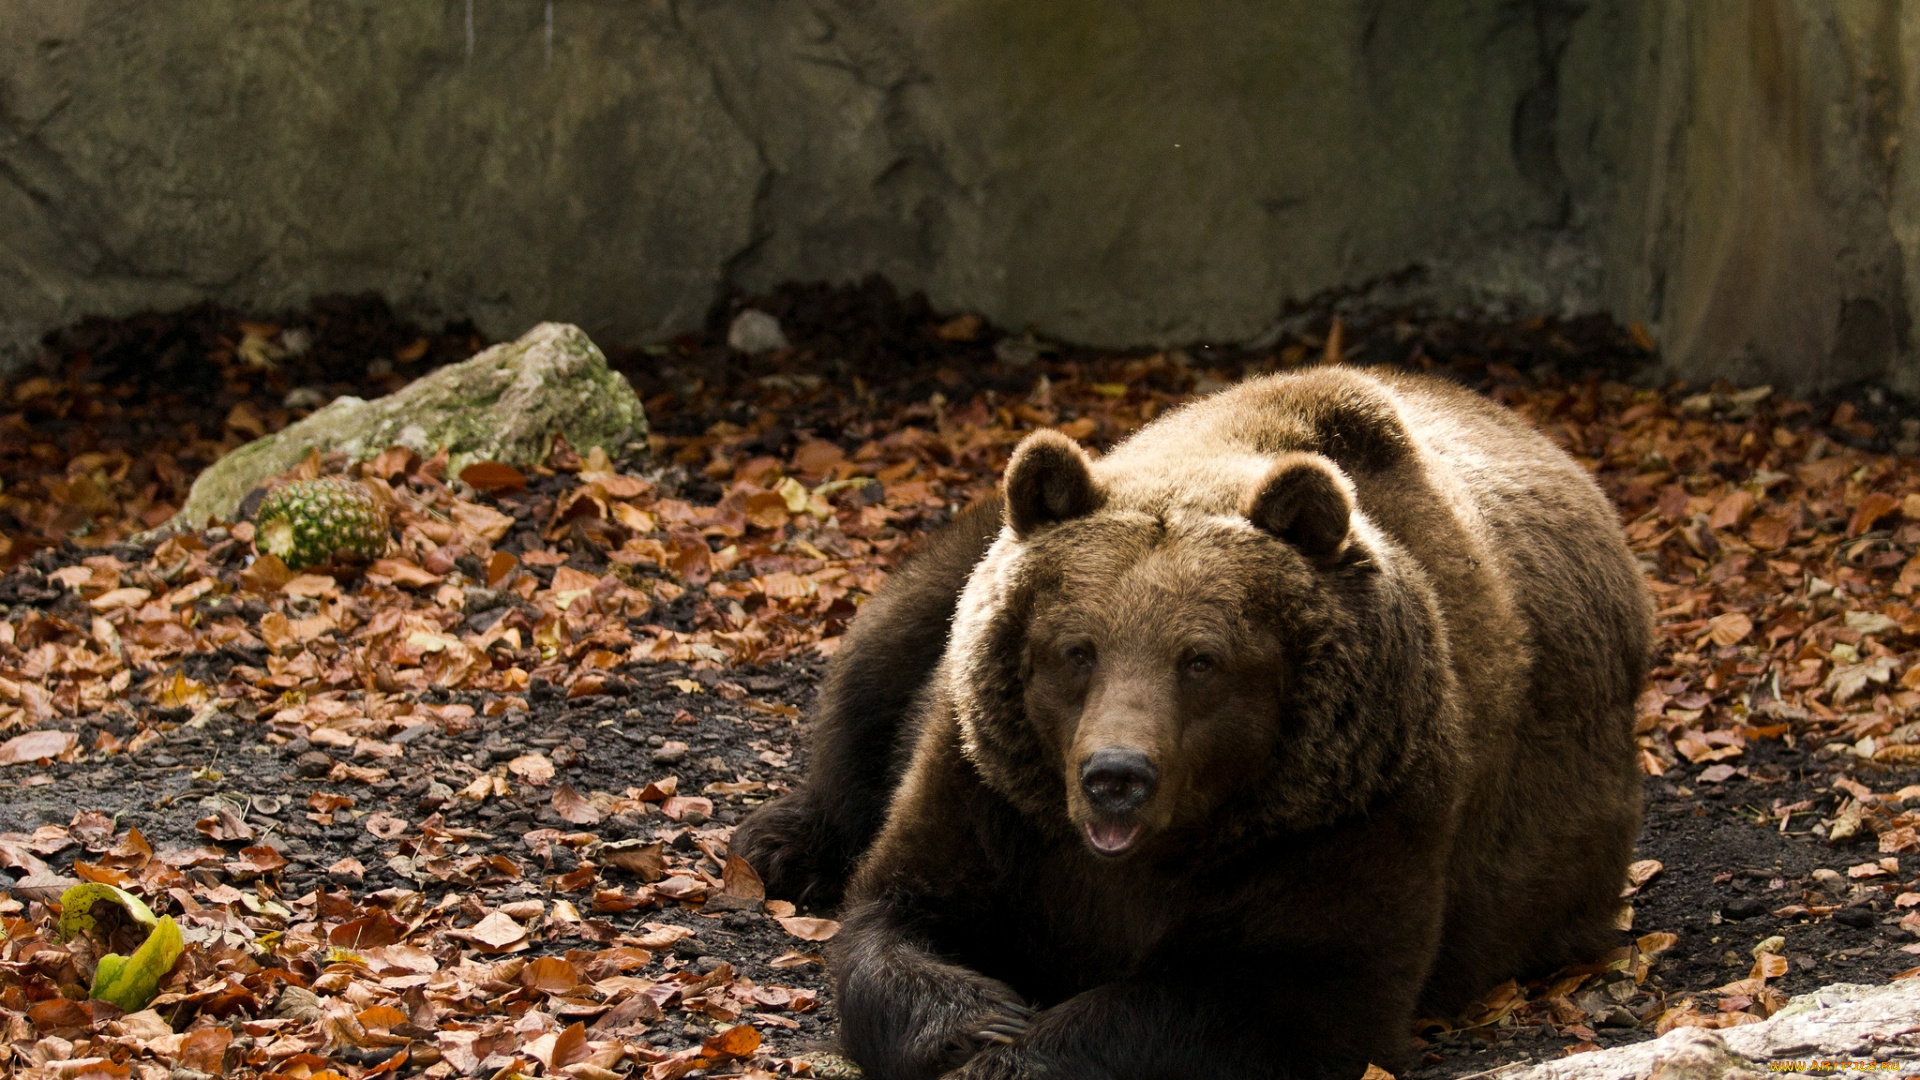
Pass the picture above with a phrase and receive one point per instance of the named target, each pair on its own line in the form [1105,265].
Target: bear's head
[1144,669]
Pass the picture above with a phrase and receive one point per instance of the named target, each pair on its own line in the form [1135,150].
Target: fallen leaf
[46,745]
[535,769]
[495,933]
[734,1042]
[574,807]
[738,879]
[549,975]
[809,929]
[385,826]
[224,825]
[493,477]
[646,861]
[256,860]
[1729,629]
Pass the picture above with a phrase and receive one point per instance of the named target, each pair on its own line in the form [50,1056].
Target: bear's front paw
[996,1063]
[996,1019]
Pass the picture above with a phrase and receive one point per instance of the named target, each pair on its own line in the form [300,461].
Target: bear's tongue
[1111,837]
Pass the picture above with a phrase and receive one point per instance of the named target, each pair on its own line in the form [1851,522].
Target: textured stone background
[1736,174]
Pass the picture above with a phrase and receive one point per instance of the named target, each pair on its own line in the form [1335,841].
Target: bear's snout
[1118,781]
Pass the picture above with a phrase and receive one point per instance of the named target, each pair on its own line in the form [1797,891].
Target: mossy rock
[506,404]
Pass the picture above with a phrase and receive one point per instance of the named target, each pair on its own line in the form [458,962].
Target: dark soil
[614,743]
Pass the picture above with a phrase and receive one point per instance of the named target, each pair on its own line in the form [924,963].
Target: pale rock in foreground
[1842,1022]
[506,404]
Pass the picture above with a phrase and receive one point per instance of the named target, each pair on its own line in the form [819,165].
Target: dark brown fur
[1391,756]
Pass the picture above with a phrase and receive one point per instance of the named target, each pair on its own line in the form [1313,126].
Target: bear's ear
[1048,482]
[1362,432]
[1304,501]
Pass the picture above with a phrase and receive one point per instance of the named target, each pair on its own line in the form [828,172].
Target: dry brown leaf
[646,861]
[496,933]
[574,807]
[738,879]
[1729,629]
[254,861]
[535,769]
[47,745]
[549,975]
[403,572]
[809,929]
[225,826]
[384,825]
[493,477]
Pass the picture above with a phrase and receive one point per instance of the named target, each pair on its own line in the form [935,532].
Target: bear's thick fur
[1308,707]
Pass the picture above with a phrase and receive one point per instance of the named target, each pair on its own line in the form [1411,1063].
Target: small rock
[312,764]
[754,332]
[478,599]
[1858,917]
[304,397]
[407,734]
[1617,1016]
[622,826]
[505,404]
[1019,352]
[437,795]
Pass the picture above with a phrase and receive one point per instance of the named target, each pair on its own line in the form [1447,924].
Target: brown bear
[1306,708]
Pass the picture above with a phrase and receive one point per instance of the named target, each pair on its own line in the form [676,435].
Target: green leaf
[76,908]
[132,982]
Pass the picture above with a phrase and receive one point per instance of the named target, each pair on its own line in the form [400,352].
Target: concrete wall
[1733,174]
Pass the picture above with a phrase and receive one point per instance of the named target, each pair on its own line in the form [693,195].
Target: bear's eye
[1080,656]
[1201,664]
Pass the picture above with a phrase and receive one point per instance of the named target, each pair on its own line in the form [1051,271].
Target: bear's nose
[1118,781]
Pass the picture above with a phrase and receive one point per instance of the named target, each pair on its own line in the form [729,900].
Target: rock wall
[1763,206]
[1732,174]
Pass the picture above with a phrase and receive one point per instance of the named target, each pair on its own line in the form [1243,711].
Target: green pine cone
[308,521]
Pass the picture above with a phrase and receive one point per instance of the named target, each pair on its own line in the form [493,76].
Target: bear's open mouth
[1112,837]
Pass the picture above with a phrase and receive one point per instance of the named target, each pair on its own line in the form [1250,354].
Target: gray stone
[506,404]
[1743,179]
[754,332]
[1842,1022]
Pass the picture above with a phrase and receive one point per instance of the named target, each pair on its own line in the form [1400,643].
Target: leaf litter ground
[465,810]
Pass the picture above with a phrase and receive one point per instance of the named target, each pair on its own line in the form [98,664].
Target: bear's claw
[1007,1022]
[1002,1033]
